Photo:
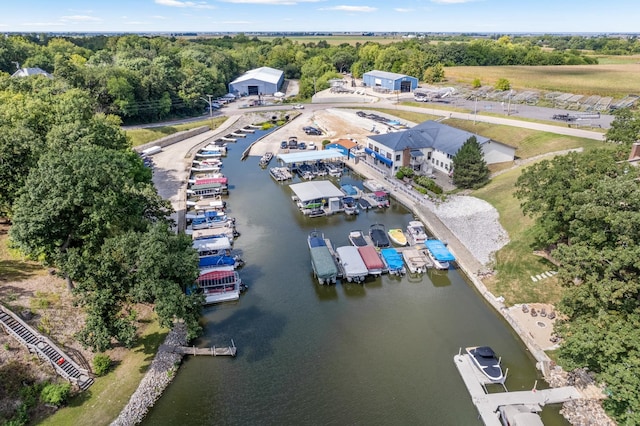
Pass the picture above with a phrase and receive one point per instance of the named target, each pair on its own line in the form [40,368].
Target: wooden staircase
[45,349]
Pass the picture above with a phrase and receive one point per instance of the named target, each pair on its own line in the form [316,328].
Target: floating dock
[212,351]
[488,404]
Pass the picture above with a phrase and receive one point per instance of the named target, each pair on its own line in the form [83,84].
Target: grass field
[611,79]
[142,136]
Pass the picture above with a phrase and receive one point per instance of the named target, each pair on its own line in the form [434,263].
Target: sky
[483,16]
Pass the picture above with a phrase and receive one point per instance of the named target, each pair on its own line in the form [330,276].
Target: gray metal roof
[429,134]
[302,156]
[388,75]
[317,190]
[26,72]
[270,75]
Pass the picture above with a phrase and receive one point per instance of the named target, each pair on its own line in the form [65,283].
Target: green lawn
[104,400]
[142,136]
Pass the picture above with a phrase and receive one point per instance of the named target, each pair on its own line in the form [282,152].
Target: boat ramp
[488,404]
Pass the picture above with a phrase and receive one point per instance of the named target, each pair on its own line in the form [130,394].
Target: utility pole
[475,111]
[509,104]
[210,102]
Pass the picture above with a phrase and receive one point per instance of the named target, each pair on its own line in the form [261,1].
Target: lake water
[374,354]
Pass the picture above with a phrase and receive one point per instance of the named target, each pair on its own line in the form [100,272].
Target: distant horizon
[292,16]
[326,33]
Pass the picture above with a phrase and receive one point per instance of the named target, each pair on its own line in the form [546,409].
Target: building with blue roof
[429,146]
[390,81]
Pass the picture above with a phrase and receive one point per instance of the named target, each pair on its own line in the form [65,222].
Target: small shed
[390,81]
[259,81]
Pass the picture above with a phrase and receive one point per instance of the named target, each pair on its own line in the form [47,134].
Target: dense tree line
[82,201]
[143,79]
[586,208]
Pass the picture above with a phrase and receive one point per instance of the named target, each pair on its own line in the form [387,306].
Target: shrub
[101,364]
[399,174]
[55,394]
[476,83]
[503,84]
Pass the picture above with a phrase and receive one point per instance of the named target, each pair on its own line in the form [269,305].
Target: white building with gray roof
[429,146]
[258,81]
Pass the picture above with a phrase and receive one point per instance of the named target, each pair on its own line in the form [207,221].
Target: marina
[288,324]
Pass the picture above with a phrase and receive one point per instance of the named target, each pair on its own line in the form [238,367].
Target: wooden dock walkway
[488,404]
[212,351]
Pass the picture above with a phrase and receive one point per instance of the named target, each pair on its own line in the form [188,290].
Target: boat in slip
[484,358]
[350,206]
[397,237]
[416,261]
[206,263]
[357,238]
[372,260]
[438,253]
[381,199]
[416,234]
[217,246]
[266,159]
[520,414]
[378,235]
[352,264]
[208,153]
[351,191]
[203,234]
[322,263]
[393,261]
[221,285]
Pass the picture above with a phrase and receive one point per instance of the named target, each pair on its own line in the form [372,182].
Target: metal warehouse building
[259,81]
[390,81]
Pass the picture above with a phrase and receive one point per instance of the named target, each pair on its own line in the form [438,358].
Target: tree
[469,168]
[625,128]
[503,84]
[434,74]
[77,198]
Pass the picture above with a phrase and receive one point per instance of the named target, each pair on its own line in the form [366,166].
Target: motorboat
[206,263]
[379,235]
[322,262]
[438,253]
[280,174]
[520,415]
[333,169]
[397,237]
[209,154]
[213,246]
[266,159]
[393,261]
[354,267]
[381,199]
[416,261]
[372,260]
[373,185]
[364,203]
[203,234]
[350,190]
[416,234]
[357,239]
[484,358]
[349,206]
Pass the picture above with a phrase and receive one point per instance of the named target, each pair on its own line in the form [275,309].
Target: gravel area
[476,224]
[158,377]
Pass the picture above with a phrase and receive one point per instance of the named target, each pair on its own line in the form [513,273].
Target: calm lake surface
[374,354]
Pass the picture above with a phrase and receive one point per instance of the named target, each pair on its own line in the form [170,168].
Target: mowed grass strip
[149,134]
[613,79]
[516,262]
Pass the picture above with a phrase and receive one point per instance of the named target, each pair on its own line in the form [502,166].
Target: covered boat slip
[354,267]
[311,156]
[212,246]
[220,286]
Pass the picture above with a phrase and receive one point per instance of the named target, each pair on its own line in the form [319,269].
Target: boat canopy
[316,241]
[349,190]
[439,251]
[316,155]
[212,244]
[485,352]
[323,263]
[318,190]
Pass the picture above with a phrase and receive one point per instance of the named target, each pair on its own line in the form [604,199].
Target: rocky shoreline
[161,372]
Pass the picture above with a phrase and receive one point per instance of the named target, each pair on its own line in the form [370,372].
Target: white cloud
[402,10]
[80,18]
[159,17]
[452,1]
[236,22]
[345,8]
[190,4]
[272,2]
[42,24]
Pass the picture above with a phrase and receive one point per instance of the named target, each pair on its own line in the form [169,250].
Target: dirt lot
[334,123]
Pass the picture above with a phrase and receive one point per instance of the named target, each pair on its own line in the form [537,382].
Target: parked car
[284,145]
[311,146]
[302,145]
[298,106]
[312,131]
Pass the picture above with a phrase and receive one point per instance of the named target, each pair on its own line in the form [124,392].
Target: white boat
[357,238]
[438,253]
[354,268]
[213,246]
[416,261]
[220,285]
[373,185]
[350,206]
[416,234]
[280,173]
[486,361]
[203,234]
[333,169]
[266,159]
[209,154]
